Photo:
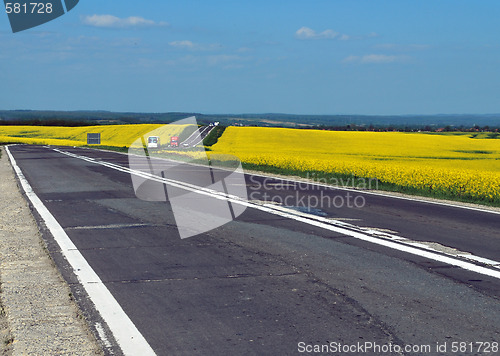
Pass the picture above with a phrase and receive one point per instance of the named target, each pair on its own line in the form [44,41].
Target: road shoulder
[39,313]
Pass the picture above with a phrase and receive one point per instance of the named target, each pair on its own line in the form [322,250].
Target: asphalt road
[266,284]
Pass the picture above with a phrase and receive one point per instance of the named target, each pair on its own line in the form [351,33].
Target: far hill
[72,118]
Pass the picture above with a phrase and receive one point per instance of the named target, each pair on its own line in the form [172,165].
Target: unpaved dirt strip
[37,314]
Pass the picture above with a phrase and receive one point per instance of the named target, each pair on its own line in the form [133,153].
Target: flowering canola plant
[453,164]
[111,135]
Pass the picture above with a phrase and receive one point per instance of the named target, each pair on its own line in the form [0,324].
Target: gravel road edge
[38,315]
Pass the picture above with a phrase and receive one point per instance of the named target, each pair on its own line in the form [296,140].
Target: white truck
[153,142]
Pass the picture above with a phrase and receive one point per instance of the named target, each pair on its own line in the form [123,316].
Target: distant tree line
[46,122]
[427,128]
[212,138]
[404,123]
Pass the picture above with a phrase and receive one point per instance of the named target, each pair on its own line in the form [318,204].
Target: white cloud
[110,21]
[378,58]
[222,59]
[244,50]
[185,44]
[351,59]
[374,58]
[186,60]
[182,44]
[402,48]
[306,33]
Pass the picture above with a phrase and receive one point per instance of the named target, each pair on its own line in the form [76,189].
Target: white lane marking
[104,227]
[359,191]
[379,238]
[125,332]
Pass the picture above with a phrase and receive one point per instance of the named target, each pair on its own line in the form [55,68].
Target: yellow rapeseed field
[451,164]
[111,135]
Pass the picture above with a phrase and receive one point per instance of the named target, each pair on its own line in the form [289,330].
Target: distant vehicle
[174,141]
[153,142]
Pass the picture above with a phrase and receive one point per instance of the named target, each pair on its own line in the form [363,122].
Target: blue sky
[299,57]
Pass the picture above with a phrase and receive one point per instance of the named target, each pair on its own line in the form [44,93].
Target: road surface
[271,282]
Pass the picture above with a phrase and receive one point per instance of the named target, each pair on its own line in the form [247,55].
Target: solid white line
[359,191]
[125,332]
[339,228]
[106,227]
